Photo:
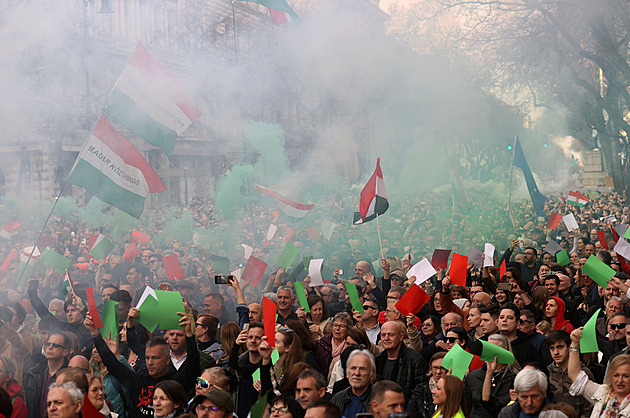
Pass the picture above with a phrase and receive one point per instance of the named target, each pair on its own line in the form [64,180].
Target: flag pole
[41,232]
[378,228]
[234,29]
[509,207]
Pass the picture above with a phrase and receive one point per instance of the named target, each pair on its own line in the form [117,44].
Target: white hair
[366,353]
[73,390]
[527,379]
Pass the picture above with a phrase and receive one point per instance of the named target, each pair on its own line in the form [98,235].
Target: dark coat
[514,410]
[499,396]
[33,384]
[341,399]
[409,369]
[323,353]
[421,400]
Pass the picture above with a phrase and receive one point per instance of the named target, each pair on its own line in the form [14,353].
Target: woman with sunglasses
[285,406]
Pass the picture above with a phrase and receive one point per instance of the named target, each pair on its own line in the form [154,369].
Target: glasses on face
[450,339]
[53,345]
[522,321]
[617,326]
[340,326]
[282,410]
[204,384]
[204,408]
[368,307]
[427,325]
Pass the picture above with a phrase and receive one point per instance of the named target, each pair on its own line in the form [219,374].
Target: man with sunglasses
[38,379]
[370,321]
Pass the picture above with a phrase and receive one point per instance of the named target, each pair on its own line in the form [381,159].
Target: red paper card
[254,270]
[269,320]
[602,239]
[91,240]
[615,236]
[458,270]
[413,300]
[140,238]
[554,219]
[275,214]
[440,258]
[313,233]
[131,253]
[83,267]
[173,268]
[502,269]
[12,256]
[96,318]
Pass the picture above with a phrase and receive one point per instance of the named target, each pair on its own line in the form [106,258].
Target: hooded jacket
[561,323]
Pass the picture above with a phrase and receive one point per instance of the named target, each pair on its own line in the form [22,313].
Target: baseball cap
[220,398]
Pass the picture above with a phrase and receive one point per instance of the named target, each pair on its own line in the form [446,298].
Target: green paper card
[563,258]
[490,351]
[110,320]
[220,264]
[588,342]
[149,314]
[58,262]
[258,408]
[275,356]
[458,360]
[354,297]
[306,261]
[289,252]
[169,303]
[256,374]
[597,270]
[298,273]
[299,290]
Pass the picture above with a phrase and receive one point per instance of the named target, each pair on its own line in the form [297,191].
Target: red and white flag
[288,206]
[373,199]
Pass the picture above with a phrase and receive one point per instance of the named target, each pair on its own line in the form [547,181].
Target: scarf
[612,408]
[336,354]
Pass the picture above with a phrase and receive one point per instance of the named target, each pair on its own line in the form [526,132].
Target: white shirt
[178,363]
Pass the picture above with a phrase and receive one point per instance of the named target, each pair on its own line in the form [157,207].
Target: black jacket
[499,396]
[341,399]
[33,384]
[141,384]
[409,369]
[524,351]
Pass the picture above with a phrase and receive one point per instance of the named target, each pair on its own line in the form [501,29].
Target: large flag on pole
[288,206]
[538,199]
[279,10]
[111,168]
[150,101]
[373,199]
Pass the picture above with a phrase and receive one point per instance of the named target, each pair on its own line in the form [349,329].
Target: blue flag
[538,199]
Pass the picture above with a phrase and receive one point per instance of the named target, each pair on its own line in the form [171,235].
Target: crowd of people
[329,360]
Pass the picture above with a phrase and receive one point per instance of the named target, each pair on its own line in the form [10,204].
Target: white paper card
[608,219]
[328,228]
[488,251]
[148,291]
[315,271]
[237,273]
[248,251]
[570,222]
[623,247]
[423,270]
[553,247]
[271,232]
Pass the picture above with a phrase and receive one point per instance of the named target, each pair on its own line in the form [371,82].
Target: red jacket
[17,397]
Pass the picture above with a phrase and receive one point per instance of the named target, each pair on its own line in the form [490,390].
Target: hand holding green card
[490,351]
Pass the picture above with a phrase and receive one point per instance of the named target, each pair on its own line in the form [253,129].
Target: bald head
[79,362]
[393,327]
[362,268]
[482,297]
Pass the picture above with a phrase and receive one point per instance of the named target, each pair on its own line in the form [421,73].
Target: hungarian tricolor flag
[279,10]
[288,206]
[150,101]
[68,284]
[373,199]
[577,198]
[111,168]
[7,231]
